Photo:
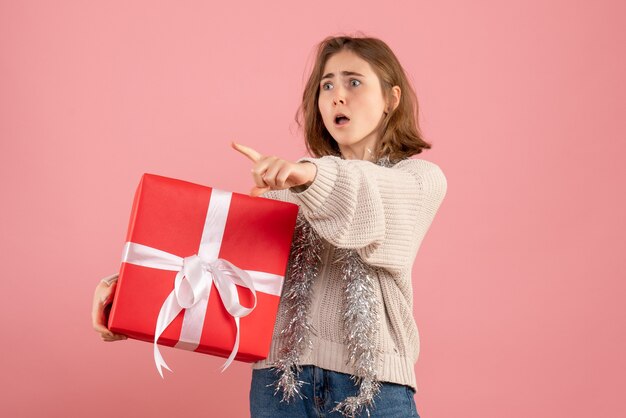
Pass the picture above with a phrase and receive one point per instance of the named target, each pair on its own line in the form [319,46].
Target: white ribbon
[195,276]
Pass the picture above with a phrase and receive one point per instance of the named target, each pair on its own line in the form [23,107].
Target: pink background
[517,286]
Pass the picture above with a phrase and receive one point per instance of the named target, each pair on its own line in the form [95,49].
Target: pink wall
[517,285]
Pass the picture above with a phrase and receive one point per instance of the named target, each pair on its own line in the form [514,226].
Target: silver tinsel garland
[361,317]
[304,264]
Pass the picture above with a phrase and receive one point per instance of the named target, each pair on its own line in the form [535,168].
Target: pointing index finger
[247,151]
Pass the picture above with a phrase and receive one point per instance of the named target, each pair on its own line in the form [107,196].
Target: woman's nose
[339,97]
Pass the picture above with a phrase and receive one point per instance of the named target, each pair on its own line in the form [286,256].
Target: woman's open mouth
[341,120]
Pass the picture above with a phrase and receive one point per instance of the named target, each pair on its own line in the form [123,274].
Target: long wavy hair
[400,135]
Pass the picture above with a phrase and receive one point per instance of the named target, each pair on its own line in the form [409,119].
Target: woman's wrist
[300,188]
[311,173]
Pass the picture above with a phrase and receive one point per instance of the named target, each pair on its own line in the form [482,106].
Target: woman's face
[351,103]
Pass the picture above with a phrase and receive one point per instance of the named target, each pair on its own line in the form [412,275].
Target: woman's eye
[327,86]
[354,83]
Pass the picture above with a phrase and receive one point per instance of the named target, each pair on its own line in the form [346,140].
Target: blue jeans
[323,390]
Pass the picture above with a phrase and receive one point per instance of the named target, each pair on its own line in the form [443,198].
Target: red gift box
[202,269]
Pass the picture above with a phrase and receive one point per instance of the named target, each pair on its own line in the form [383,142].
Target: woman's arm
[382,212]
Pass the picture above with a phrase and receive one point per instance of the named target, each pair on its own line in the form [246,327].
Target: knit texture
[383,213]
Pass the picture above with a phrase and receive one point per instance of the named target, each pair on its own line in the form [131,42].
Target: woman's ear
[394,98]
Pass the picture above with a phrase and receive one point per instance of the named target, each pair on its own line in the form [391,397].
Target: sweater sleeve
[382,212]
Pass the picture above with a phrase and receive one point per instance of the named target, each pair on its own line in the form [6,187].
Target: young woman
[345,340]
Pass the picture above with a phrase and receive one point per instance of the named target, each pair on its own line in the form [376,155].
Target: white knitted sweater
[383,213]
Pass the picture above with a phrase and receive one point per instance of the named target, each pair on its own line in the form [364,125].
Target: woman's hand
[102,298]
[273,173]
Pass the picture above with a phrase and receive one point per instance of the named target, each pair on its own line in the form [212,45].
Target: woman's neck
[362,153]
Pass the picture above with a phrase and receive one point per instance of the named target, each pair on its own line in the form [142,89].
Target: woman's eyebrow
[344,73]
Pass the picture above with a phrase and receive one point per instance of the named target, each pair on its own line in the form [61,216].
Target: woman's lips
[341,121]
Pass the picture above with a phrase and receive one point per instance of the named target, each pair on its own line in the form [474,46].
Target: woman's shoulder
[429,175]
[420,166]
